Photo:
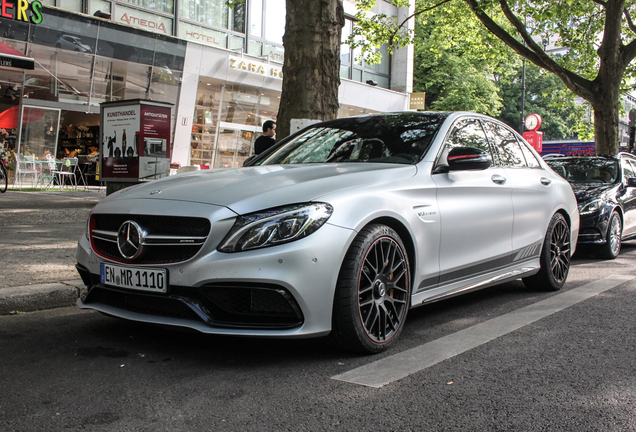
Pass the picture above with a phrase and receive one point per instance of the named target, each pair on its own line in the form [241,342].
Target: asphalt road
[573,370]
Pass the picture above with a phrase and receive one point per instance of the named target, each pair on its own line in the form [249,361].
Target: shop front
[79,62]
[226,97]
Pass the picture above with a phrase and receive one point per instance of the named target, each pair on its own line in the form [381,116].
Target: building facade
[220,67]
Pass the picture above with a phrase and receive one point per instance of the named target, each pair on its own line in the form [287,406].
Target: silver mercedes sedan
[338,230]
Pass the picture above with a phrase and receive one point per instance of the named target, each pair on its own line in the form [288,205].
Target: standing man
[266,140]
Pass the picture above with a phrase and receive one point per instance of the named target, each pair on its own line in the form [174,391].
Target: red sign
[535,139]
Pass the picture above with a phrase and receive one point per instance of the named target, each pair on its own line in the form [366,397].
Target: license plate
[145,279]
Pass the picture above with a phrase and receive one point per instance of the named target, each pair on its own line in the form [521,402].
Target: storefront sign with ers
[21,10]
[535,138]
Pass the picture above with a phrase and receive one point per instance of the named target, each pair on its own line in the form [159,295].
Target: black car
[605,189]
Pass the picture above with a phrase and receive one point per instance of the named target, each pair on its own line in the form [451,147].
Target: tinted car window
[402,139]
[585,169]
[531,159]
[505,145]
[468,133]
[628,169]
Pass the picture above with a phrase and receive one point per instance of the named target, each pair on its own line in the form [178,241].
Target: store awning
[9,117]
[14,58]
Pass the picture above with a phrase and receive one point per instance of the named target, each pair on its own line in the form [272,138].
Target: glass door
[235,144]
[39,131]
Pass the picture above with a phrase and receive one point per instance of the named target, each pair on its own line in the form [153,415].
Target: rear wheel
[373,291]
[555,257]
[4,180]
[612,246]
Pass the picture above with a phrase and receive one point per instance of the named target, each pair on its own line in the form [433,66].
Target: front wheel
[373,291]
[4,179]
[612,246]
[554,259]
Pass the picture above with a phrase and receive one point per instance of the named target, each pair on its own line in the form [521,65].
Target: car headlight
[275,226]
[591,207]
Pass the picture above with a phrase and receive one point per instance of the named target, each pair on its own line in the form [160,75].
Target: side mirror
[631,182]
[467,158]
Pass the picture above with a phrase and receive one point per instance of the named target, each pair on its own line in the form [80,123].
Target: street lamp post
[523,92]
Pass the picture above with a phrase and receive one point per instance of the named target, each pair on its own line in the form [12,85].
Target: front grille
[225,306]
[170,239]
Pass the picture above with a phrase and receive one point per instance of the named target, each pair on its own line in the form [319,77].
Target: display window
[227,120]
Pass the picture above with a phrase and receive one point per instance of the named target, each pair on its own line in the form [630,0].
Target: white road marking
[398,366]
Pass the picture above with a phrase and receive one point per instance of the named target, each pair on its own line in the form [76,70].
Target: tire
[554,259]
[612,246]
[4,179]
[373,292]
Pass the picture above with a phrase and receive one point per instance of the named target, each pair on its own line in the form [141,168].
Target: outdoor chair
[68,169]
[24,168]
[48,176]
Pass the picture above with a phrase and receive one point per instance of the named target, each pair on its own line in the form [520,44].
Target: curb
[31,298]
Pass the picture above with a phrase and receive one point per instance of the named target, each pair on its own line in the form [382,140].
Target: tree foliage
[599,38]
[457,66]
[545,95]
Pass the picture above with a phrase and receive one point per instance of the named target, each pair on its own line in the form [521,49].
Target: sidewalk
[39,232]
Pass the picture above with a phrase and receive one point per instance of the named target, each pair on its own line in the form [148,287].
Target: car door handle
[546,181]
[496,178]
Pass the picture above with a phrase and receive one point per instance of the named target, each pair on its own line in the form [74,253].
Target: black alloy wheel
[554,258]
[612,246]
[373,292]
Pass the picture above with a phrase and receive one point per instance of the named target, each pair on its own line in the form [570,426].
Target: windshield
[399,139]
[585,170]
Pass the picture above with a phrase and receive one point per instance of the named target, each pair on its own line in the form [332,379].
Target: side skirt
[507,274]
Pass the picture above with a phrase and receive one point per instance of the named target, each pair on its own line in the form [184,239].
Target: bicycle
[4,178]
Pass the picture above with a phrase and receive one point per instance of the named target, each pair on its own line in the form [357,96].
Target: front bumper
[281,291]
[593,228]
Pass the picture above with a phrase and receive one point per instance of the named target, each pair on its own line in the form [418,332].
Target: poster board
[134,140]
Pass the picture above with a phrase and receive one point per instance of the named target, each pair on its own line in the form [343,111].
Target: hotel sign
[255,67]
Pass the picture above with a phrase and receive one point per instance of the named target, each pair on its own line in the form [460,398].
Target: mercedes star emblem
[130,240]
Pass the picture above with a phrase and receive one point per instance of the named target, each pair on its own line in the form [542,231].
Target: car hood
[587,191]
[249,189]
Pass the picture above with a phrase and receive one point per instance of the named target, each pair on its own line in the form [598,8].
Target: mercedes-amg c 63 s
[338,230]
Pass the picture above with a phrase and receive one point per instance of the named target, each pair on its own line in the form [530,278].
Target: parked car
[339,230]
[605,188]
[73,43]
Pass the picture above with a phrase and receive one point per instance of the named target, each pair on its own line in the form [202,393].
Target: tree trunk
[606,137]
[311,73]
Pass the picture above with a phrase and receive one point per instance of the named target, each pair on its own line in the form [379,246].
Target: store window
[274,22]
[256,18]
[133,45]
[71,5]
[267,23]
[119,80]
[211,12]
[353,67]
[70,83]
[227,120]
[238,18]
[99,5]
[166,6]
[205,121]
